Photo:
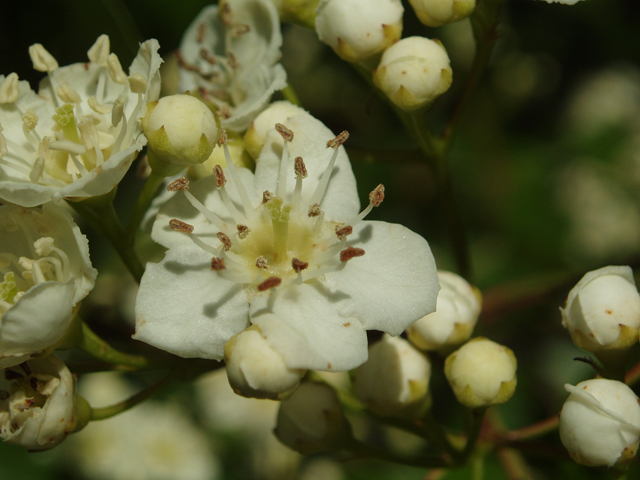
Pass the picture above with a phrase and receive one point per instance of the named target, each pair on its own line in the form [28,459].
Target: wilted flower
[600,422]
[46,271]
[228,57]
[37,404]
[79,134]
[285,249]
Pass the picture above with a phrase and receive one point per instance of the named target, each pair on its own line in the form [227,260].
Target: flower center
[277,241]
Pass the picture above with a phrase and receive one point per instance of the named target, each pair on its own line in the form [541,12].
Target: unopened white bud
[481,373]
[256,135]
[359,29]
[600,422]
[256,370]
[394,381]
[434,13]
[414,72]
[455,317]
[311,421]
[602,312]
[181,130]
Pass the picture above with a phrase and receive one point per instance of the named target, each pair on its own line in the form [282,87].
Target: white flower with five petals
[80,133]
[228,57]
[284,249]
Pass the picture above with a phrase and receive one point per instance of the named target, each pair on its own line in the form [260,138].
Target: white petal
[394,283]
[302,323]
[147,63]
[185,308]
[310,136]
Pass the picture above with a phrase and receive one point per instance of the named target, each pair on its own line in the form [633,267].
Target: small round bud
[434,13]
[455,317]
[359,29]
[256,135]
[255,370]
[602,312]
[600,422]
[394,381]
[311,421]
[181,130]
[481,373]
[414,72]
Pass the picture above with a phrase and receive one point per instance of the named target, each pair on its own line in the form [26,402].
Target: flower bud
[256,135]
[414,72]
[481,373]
[37,404]
[455,317]
[602,312]
[600,422]
[359,29]
[395,378]
[256,370]
[311,421]
[434,13]
[181,130]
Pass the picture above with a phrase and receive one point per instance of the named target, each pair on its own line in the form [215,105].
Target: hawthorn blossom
[228,57]
[80,133]
[285,249]
[45,271]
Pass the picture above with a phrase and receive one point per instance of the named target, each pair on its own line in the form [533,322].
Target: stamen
[115,69]
[287,135]
[299,265]
[180,226]
[37,170]
[67,95]
[179,184]
[219,175]
[183,184]
[9,89]
[29,120]
[226,241]
[266,196]
[138,84]
[227,15]
[301,172]
[314,210]
[117,112]
[68,146]
[233,60]
[375,199]
[25,368]
[269,283]
[217,264]
[220,183]
[350,252]
[239,30]
[285,132]
[235,176]
[202,30]
[339,140]
[261,262]
[324,181]
[243,231]
[42,60]
[97,107]
[343,232]
[11,375]
[99,51]
[207,56]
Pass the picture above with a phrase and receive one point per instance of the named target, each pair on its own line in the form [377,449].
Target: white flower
[602,311]
[359,29]
[414,72]
[278,250]
[37,403]
[45,271]
[600,422]
[435,13]
[79,134]
[456,315]
[395,379]
[228,56]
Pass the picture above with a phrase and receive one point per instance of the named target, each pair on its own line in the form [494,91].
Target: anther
[178,184]
[239,29]
[266,196]
[285,132]
[30,119]
[233,60]
[220,178]
[33,382]
[9,89]
[339,140]
[243,231]
[114,68]
[223,137]
[67,95]
[269,283]
[314,210]
[42,60]
[343,232]
[300,168]
[261,262]
[99,51]
[217,264]
[26,368]
[227,15]
[207,56]
[349,253]
[377,195]
[137,83]
[180,226]
[299,265]
[11,375]
[226,241]
[202,30]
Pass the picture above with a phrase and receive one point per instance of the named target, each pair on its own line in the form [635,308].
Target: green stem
[113,410]
[364,450]
[98,348]
[474,433]
[290,94]
[102,217]
[514,465]
[533,431]
[149,190]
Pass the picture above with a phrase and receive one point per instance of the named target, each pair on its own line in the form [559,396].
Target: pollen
[179,184]
[300,168]
[217,264]
[266,196]
[339,140]
[377,195]
[243,231]
[349,253]
[226,241]
[343,232]
[285,132]
[261,262]
[299,265]
[269,283]
[314,210]
[180,226]
[220,178]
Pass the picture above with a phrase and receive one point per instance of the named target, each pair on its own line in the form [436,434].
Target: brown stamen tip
[26,368]
[202,30]
[300,168]
[349,253]
[261,262]
[344,232]
[284,131]
[377,195]
[339,140]
[243,231]
[180,226]
[314,210]
[240,29]
[223,137]
[266,196]
[33,382]
[207,56]
[11,375]
[179,184]
[226,241]
[220,178]
[217,264]
[233,60]
[299,265]
[227,15]
[270,282]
